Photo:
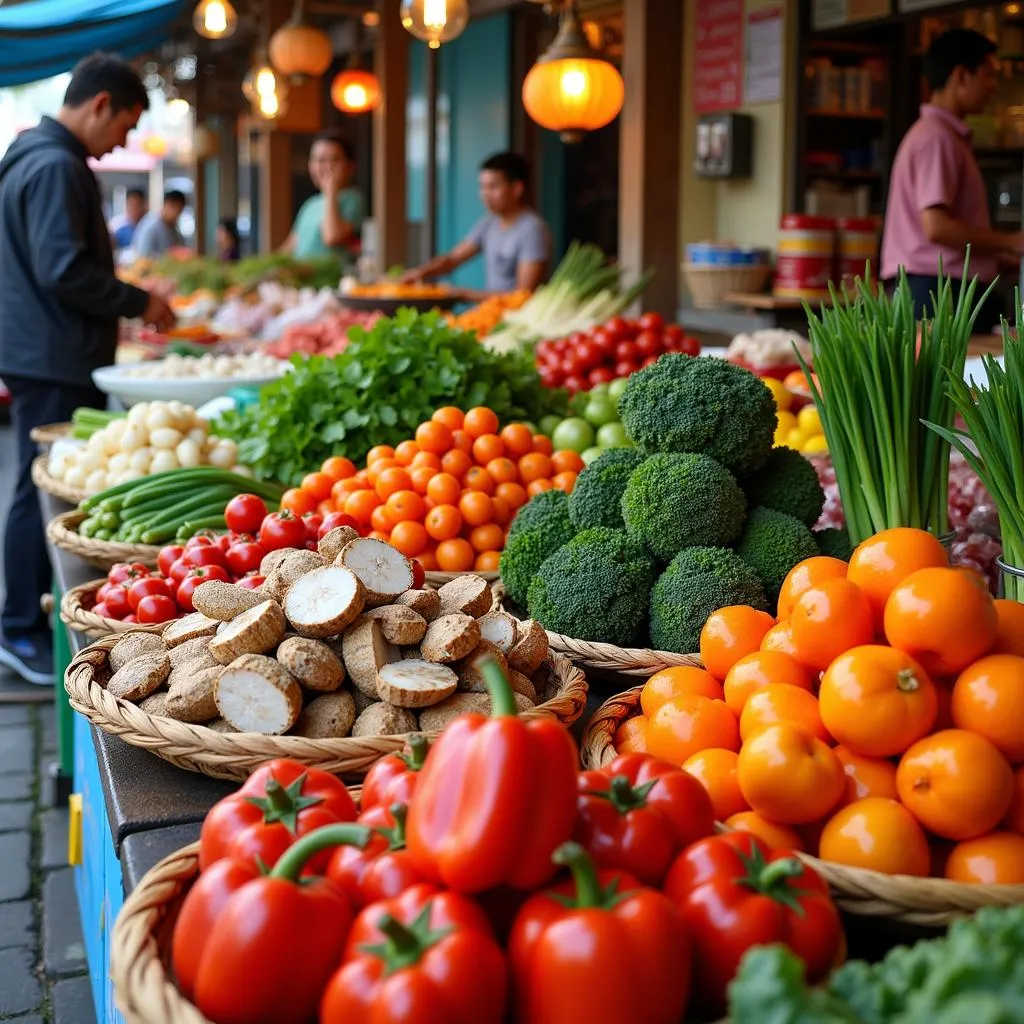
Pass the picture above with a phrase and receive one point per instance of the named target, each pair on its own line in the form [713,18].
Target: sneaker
[32,661]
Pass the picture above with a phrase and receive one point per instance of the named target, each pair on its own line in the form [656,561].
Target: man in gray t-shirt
[513,238]
[158,232]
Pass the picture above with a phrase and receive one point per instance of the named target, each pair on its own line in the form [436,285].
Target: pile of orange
[447,496]
[877,721]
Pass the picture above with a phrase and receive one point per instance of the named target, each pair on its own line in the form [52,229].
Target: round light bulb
[435,21]
[215,19]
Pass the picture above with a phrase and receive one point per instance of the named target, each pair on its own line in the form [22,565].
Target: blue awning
[47,37]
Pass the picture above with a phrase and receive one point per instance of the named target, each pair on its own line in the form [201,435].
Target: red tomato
[196,576]
[179,570]
[626,351]
[649,361]
[208,554]
[252,581]
[156,608]
[604,341]
[618,328]
[550,378]
[121,572]
[101,594]
[587,355]
[574,383]
[672,336]
[200,540]
[625,369]
[332,521]
[690,347]
[151,586]
[651,322]
[101,609]
[223,542]
[245,557]
[313,521]
[168,556]
[600,375]
[117,602]
[648,344]
[130,618]
[245,513]
[282,530]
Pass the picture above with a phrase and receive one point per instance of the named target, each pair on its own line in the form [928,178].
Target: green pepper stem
[396,834]
[294,859]
[278,798]
[779,872]
[503,698]
[404,941]
[625,797]
[584,875]
[417,755]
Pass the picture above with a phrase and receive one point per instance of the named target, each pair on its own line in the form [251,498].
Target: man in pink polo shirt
[937,202]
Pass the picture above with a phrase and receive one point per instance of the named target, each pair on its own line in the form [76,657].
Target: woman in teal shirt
[328,223]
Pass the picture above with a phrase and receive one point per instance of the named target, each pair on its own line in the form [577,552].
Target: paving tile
[17,924]
[17,749]
[16,787]
[63,945]
[15,856]
[15,817]
[32,1018]
[54,825]
[48,730]
[19,987]
[72,1002]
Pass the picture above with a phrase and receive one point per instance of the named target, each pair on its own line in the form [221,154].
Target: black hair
[516,168]
[138,193]
[174,196]
[336,138]
[103,72]
[230,225]
[957,48]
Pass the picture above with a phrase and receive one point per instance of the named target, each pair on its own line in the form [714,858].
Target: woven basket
[62,532]
[234,755]
[77,614]
[42,479]
[924,902]
[708,285]
[627,661]
[45,436]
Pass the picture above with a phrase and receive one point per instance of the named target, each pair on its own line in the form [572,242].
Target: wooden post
[391,63]
[650,147]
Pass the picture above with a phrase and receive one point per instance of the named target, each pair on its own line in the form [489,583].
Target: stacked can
[806,257]
[858,246]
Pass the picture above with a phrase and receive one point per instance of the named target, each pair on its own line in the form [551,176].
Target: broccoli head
[788,483]
[544,508]
[539,530]
[596,499]
[594,588]
[772,544]
[676,501]
[834,541]
[699,404]
[697,582]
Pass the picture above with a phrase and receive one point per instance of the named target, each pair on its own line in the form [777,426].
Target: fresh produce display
[771,354]
[270,309]
[798,422]
[485,317]
[614,349]
[208,366]
[445,496]
[583,291]
[324,336]
[85,422]
[153,438]
[593,424]
[387,381]
[706,513]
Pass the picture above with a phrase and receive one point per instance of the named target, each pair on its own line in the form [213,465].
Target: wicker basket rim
[63,533]
[45,481]
[75,614]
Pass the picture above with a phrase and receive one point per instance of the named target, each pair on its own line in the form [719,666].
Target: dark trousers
[27,573]
[922,287]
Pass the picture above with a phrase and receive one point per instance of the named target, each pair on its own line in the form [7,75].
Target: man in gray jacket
[59,308]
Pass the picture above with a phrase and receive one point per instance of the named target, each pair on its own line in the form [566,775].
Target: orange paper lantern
[356,92]
[299,50]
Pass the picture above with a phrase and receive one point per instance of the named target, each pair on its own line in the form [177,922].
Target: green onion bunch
[880,373]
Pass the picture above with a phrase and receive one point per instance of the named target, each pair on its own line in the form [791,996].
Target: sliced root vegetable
[383,719]
[414,683]
[290,570]
[192,627]
[194,653]
[140,677]
[468,595]
[133,646]
[363,701]
[223,601]
[469,671]
[531,648]
[155,704]
[500,629]
[523,685]
[328,717]
[253,632]
[256,694]
[323,602]
[450,638]
[312,662]
[272,559]
[435,718]
[399,624]
[191,699]
[365,652]
[384,571]
[424,602]
[332,543]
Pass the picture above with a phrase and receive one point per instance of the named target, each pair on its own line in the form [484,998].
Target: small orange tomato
[829,619]
[564,481]
[517,439]
[780,638]
[534,466]
[476,508]
[380,451]
[755,671]
[789,775]
[451,417]
[380,520]
[1014,819]
[444,489]
[298,501]
[729,634]
[564,461]
[502,513]
[488,448]
[993,859]
[428,560]
[988,698]
[690,723]
[878,834]
[536,487]
[502,470]
[392,480]
[489,537]
[780,702]
[443,522]
[420,477]
[715,770]
[877,701]
[428,460]
[406,452]
[403,506]
[866,776]
[944,618]
[480,421]
[478,479]
[631,736]
[410,538]
[337,467]
[456,463]
[360,505]
[487,561]
[776,835]
[455,555]
[804,575]
[433,437]
[955,783]
[677,680]
[515,494]
[543,445]
[1009,628]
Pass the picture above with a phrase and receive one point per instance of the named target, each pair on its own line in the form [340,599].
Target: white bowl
[194,391]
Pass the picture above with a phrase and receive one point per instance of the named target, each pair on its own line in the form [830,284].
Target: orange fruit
[780,638]
[566,462]
[325,508]
[776,835]
[379,535]
[380,451]
[755,671]
[631,736]
[374,469]
[943,618]
[877,701]
[318,484]
[729,634]
[534,466]
[537,486]
[428,560]
[829,619]
[444,489]
[390,481]
[478,479]
[360,505]
[993,859]
[1014,819]
[503,470]
[515,494]
[343,488]
[781,702]
[456,463]
[564,481]
[543,445]
[517,439]
[443,522]
[1009,628]
[476,508]
[410,538]
[480,421]
[882,562]
[421,477]
[804,575]
[433,437]
[988,698]
[488,447]
[297,501]
[461,441]
[878,834]
[405,506]
[406,452]
[689,723]
[337,467]
[380,520]
[489,537]
[451,417]
[455,555]
[675,681]
[715,770]
[866,776]
[428,459]
[955,783]
[487,561]
[789,775]
[502,512]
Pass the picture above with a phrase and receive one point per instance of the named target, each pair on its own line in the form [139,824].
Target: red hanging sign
[718,56]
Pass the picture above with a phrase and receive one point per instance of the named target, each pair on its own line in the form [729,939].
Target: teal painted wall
[416,135]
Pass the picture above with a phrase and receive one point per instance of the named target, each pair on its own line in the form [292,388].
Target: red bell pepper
[380,870]
[281,801]
[734,892]
[393,779]
[495,799]
[600,949]
[425,956]
[261,950]
[638,812]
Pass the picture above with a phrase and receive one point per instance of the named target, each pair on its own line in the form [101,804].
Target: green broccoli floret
[687,404]
[697,582]
[676,501]
[772,544]
[594,588]
[788,483]
[547,507]
[539,530]
[834,541]
[596,499]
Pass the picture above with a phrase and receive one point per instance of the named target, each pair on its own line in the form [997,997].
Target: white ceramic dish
[113,380]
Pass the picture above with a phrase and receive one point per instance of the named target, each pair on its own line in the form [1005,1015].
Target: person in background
[229,242]
[158,231]
[513,237]
[59,310]
[329,223]
[937,201]
[122,229]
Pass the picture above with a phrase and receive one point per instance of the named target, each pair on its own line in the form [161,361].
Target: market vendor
[158,232]
[937,201]
[514,240]
[329,222]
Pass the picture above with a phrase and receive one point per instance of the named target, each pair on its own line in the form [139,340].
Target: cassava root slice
[332,543]
[383,719]
[192,627]
[194,653]
[223,601]
[531,647]
[383,570]
[424,602]
[469,669]
[468,595]
[140,677]
[500,629]
[192,698]
[365,652]
[330,716]
[323,602]
[312,662]
[257,694]
[289,571]
[399,624]
[450,638]
[255,631]
[415,683]
[133,646]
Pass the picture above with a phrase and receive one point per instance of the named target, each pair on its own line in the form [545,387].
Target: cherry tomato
[624,368]
[209,554]
[101,594]
[150,586]
[618,328]
[648,344]
[419,577]
[587,355]
[157,608]
[130,619]
[197,576]
[690,347]
[245,513]
[223,542]
[332,521]
[251,581]
[574,383]
[127,571]
[101,609]
[179,570]
[282,530]
[200,540]
[651,322]
[168,556]
[550,378]
[605,341]
[600,375]
[672,336]
[312,521]
[117,602]
[626,351]
[245,557]
[650,361]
